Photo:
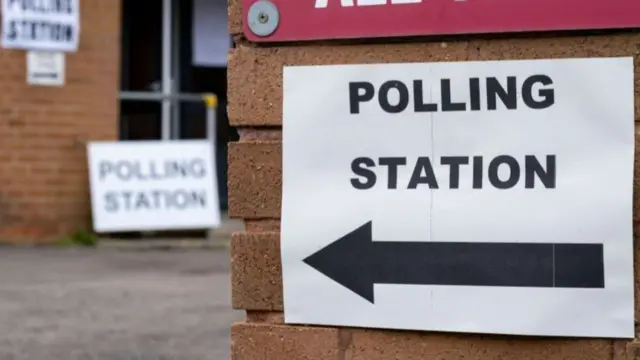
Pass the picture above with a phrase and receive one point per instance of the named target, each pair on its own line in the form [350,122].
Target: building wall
[255,181]
[44,189]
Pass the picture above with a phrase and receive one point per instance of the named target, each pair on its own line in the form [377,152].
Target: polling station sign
[46,25]
[485,197]
[153,185]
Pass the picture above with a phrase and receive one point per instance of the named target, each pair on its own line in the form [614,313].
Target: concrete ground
[95,304]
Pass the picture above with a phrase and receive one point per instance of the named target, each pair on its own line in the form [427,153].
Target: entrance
[160,69]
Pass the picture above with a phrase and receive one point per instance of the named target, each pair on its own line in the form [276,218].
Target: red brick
[619,350]
[260,134]
[265,317]
[255,179]
[382,345]
[255,73]
[262,225]
[276,342]
[235,17]
[256,271]
[633,351]
[45,130]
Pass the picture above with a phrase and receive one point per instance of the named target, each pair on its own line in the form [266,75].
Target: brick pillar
[255,169]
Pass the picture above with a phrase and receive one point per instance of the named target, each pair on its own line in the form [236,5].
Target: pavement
[215,239]
[115,304]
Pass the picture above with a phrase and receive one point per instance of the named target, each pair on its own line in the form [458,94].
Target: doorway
[157,65]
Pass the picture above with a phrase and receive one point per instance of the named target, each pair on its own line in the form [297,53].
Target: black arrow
[357,262]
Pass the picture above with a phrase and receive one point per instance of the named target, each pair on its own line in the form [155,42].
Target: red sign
[296,20]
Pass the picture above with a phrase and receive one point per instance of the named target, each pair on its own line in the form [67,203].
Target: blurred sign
[287,20]
[45,68]
[210,33]
[485,197]
[41,25]
[153,185]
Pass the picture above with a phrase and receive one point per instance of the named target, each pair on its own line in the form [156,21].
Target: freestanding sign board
[488,197]
[153,185]
[296,20]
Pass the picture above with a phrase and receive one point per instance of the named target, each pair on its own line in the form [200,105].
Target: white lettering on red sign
[323,3]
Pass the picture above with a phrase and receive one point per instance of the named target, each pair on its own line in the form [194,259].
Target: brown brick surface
[265,317]
[256,271]
[255,179]
[235,17]
[419,346]
[276,342]
[633,351]
[262,225]
[619,350]
[43,131]
[260,134]
[255,73]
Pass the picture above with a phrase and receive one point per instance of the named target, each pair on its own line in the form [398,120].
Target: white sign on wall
[486,197]
[153,185]
[51,25]
[45,68]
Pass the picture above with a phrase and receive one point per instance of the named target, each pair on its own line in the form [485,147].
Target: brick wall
[255,181]
[43,131]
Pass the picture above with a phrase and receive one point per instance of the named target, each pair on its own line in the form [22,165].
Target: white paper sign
[45,68]
[52,25]
[484,197]
[153,185]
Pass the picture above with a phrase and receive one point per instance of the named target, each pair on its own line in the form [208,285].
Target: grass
[79,238]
